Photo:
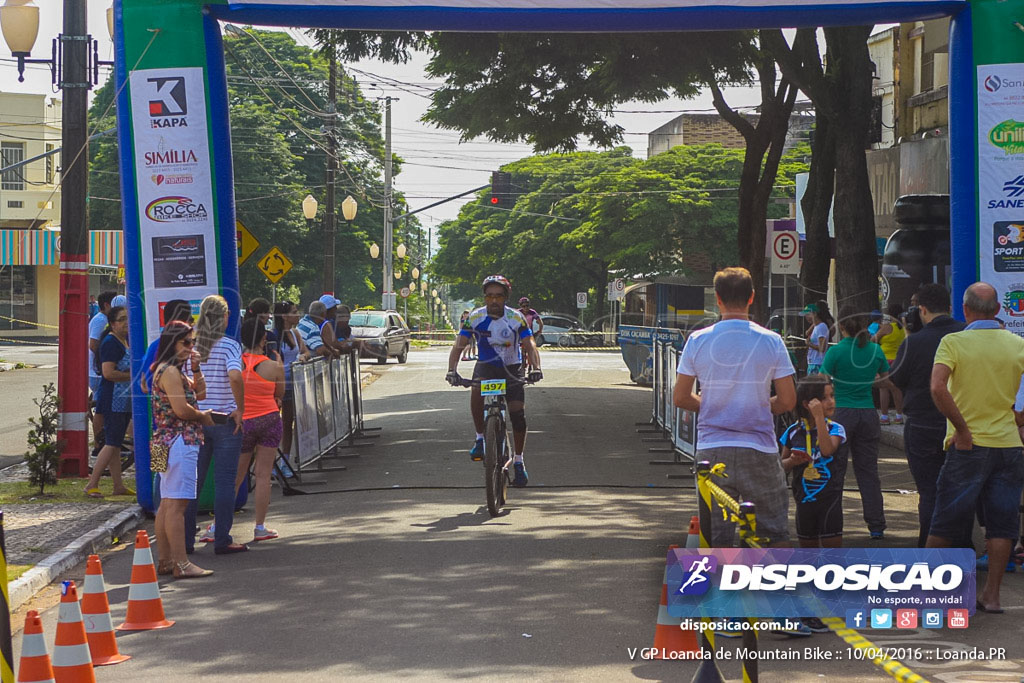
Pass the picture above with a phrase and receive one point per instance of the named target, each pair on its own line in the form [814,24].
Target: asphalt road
[17,389]
[402,573]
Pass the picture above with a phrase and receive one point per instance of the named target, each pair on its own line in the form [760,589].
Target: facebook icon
[856,618]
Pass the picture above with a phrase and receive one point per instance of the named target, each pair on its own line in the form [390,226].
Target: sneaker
[799,630]
[815,624]
[982,565]
[877,535]
[263,534]
[207,536]
[883,420]
[898,420]
[476,453]
[521,477]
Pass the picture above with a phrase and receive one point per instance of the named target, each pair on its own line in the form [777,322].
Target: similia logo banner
[825,582]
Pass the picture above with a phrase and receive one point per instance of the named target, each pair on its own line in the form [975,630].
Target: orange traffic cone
[35,662]
[693,536]
[99,629]
[71,660]
[145,609]
[668,636]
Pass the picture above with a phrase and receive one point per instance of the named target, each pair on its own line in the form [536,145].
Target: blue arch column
[962,158]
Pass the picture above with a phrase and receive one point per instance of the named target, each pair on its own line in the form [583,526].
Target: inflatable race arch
[172,116]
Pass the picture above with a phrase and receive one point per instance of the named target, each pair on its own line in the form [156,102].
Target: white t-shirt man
[735,362]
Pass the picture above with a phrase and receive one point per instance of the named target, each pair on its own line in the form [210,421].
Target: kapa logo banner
[825,582]
[169,98]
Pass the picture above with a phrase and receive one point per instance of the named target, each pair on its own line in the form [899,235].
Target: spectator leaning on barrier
[974,382]
[175,309]
[309,328]
[328,335]
[177,424]
[854,364]
[924,428]
[114,401]
[261,430]
[221,363]
[735,406]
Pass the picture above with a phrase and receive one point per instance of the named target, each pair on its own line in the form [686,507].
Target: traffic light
[501,190]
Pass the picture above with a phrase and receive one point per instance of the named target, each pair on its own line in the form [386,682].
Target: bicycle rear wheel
[493,441]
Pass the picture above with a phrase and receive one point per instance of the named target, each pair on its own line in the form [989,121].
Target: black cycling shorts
[513,391]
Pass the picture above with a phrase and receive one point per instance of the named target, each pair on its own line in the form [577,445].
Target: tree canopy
[583,217]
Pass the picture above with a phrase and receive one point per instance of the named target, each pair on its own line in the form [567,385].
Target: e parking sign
[786,253]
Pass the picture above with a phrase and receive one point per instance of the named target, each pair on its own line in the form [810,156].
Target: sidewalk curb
[41,575]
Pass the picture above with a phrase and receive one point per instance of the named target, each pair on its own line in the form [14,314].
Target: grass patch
[419,344]
[16,570]
[66,491]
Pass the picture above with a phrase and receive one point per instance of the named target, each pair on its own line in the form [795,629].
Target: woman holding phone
[177,425]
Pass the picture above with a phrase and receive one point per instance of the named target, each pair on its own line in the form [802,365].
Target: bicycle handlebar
[463,382]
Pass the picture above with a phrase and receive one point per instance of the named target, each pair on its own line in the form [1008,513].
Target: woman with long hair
[259,308]
[286,317]
[113,402]
[221,363]
[819,333]
[261,430]
[178,426]
[854,364]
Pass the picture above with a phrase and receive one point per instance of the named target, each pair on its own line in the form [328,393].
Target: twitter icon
[881,618]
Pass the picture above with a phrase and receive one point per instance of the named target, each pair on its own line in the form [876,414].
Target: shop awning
[42,248]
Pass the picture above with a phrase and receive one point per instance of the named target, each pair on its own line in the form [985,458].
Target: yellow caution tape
[29,322]
[895,668]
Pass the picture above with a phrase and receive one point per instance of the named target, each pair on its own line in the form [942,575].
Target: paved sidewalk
[35,531]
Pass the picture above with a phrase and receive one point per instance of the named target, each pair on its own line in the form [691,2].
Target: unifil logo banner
[824,582]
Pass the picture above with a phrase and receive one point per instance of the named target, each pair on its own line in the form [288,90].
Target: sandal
[94,493]
[187,570]
[165,567]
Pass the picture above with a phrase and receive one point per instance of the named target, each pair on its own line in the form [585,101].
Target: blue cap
[119,300]
[329,301]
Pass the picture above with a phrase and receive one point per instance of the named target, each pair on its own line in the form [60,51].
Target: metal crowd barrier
[678,426]
[328,407]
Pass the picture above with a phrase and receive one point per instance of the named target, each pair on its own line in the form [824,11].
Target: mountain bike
[498,439]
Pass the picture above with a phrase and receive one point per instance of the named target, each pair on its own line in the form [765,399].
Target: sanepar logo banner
[826,582]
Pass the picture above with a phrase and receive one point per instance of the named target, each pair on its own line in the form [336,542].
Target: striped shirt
[225,356]
[310,331]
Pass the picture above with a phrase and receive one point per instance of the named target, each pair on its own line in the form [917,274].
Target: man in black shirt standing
[925,427]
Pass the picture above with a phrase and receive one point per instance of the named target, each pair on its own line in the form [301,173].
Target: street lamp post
[19,21]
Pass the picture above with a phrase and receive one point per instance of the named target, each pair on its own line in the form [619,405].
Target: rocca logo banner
[825,582]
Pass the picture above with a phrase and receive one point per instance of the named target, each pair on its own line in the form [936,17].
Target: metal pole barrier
[7,666]
[358,430]
[708,671]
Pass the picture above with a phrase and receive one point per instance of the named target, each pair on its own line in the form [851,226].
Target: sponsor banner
[823,582]
[1001,185]
[175,187]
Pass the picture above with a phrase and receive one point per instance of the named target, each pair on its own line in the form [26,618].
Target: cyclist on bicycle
[502,335]
[531,316]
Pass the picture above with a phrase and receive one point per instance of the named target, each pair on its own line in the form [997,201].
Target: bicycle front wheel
[493,441]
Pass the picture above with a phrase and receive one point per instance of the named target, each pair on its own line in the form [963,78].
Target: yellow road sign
[274,265]
[245,241]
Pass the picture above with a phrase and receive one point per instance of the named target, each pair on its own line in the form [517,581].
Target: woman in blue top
[114,402]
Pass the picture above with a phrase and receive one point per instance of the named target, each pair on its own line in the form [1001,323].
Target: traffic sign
[246,243]
[616,289]
[786,253]
[274,265]
[404,291]
[581,299]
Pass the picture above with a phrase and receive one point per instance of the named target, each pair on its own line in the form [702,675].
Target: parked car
[559,330]
[382,334]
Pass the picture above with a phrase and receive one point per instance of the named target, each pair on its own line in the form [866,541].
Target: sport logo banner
[824,582]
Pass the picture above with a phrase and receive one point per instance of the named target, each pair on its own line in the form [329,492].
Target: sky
[436,164]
